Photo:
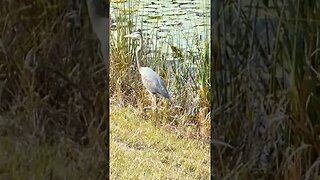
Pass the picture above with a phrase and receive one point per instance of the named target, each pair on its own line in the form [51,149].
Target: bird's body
[150,79]
[152,82]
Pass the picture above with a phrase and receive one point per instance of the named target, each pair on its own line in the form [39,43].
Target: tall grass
[52,89]
[185,71]
[267,90]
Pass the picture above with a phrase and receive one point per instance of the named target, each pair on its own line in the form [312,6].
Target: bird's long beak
[128,35]
[134,35]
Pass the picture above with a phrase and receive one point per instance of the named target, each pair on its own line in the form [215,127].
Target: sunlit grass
[138,149]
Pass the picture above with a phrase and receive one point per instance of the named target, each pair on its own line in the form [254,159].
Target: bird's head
[135,35]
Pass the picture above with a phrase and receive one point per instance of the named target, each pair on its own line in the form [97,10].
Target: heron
[150,79]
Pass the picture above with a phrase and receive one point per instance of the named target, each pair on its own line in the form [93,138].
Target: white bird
[150,79]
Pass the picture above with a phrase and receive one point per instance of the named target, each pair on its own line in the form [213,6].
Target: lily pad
[154,17]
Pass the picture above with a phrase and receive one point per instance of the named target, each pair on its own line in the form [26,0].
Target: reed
[52,92]
[185,71]
[266,90]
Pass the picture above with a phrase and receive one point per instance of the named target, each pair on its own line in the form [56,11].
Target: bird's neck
[139,54]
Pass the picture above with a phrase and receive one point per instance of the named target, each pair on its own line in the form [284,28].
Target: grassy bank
[139,150]
[52,93]
[22,158]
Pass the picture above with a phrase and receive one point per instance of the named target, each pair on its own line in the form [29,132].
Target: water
[173,22]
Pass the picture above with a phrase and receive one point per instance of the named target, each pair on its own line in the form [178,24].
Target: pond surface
[176,22]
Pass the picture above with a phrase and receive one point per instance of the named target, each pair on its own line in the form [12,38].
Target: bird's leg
[153,106]
[150,107]
[154,102]
[155,97]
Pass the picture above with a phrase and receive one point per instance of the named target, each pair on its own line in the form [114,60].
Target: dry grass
[52,100]
[267,90]
[144,151]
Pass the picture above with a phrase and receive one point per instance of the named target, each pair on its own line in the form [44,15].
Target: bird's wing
[153,82]
[150,82]
[164,91]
